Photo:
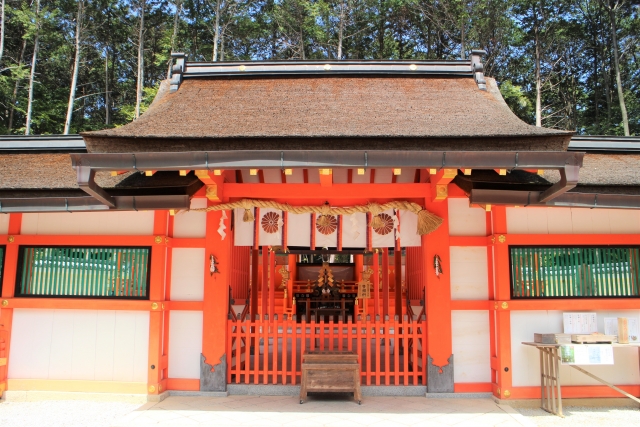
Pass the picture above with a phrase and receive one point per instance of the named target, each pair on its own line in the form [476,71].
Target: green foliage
[572,39]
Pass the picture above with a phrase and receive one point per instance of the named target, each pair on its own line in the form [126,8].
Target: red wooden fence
[269,352]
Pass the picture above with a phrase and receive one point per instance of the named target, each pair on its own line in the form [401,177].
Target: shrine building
[260,210]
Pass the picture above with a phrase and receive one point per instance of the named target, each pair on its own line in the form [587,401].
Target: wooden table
[330,372]
[550,387]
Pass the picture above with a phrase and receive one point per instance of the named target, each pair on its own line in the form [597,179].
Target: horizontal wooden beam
[184,384]
[572,239]
[576,392]
[574,304]
[470,305]
[83,304]
[101,240]
[335,191]
[468,240]
[184,305]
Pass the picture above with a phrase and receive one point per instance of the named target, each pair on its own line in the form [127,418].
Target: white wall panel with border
[4,224]
[465,220]
[89,223]
[187,274]
[470,343]
[526,361]
[102,345]
[534,220]
[191,224]
[185,344]
[469,274]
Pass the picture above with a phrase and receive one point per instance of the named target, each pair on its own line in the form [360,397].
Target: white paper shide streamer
[222,226]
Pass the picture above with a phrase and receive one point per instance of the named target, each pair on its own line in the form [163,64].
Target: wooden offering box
[330,372]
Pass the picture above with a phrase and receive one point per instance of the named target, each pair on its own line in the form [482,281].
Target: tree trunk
[462,41]
[140,60]
[341,29]
[216,32]
[2,32]
[76,66]
[107,108]
[176,21]
[14,97]
[34,59]
[538,78]
[616,64]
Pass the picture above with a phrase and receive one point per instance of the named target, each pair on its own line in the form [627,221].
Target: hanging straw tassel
[248,211]
[427,222]
[376,221]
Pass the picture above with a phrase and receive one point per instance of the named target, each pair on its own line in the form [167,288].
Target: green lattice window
[89,272]
[574,272]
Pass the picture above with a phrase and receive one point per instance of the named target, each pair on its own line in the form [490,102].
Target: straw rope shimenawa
[427,222]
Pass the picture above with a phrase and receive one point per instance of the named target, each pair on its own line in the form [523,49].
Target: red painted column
[8,291]
[156,383]
[438,300]
[385,282]
[358,261]
[376,284]
[397,260]
[272,285]
[501,305]
[255,255]
[216,304]
[264,292]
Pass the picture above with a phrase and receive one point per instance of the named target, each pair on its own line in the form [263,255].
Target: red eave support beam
[361,192]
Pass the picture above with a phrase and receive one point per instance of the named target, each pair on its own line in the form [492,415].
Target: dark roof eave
[88,204]
[568,199]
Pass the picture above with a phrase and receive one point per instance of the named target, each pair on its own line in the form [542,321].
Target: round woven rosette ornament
[326,224]
[270,222]
[387,224]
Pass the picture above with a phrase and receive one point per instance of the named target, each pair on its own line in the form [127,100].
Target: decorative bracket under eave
[87,182]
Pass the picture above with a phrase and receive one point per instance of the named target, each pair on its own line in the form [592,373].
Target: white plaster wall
[99,223]
[471,356]
[464,220]
[469,274]
[191,224]
[185,344]
[101,345]
[526,361]
[4,224]
[572,221]
[187,274]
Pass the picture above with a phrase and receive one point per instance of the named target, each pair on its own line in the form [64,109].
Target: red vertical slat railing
[391,352]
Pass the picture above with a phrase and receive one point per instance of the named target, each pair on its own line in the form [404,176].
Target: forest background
[68,66]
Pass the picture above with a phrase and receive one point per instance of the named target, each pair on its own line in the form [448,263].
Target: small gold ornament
[505,305]
[502,238]
[495,306]
[11,239]
[158,239]
[5,303]
[154,306]
[498,391]
[152,389]
[507,393]
[163,306]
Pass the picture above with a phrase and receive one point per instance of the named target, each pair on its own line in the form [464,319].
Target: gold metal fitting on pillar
[5,303]
[152,389]
[507,393]
[154,306]
[502,238]
[504,305]
[11,239]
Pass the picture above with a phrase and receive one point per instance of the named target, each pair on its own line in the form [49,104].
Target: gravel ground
[63,413]
[584,417]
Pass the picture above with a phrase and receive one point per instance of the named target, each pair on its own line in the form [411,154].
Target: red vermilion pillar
[8,291]
[397,259]
[255,290]
[156,383]
[385,281]
[272,285]
[213,365]
[501,305]
[438,303]
[376,284]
